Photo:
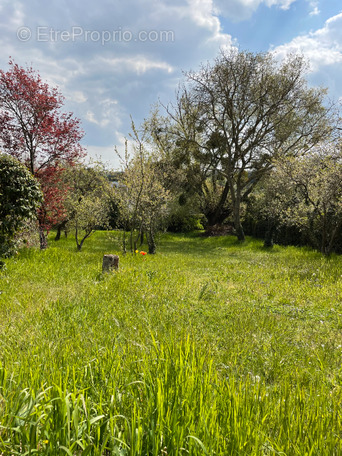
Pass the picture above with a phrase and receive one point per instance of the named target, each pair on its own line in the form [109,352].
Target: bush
[181,221]
[20,197]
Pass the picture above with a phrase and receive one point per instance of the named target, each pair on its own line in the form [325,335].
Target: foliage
[210,347]
[32,127]
[28,236]
[20,197]
[305,192]
[182,222]
[114,212]
[55,191]
[36,132]
[143,197]
[184,216]
[232,117]
[88,201]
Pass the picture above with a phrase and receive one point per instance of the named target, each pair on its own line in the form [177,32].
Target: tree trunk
[219,214]
[324,241]
[237,221]
[79,244]
[151,242]
[239,232]
[333,233]
[58,234]
[60,228]
[138,238]
[268,242]
[42,238]
[236,202]
[131,240]
[215,218]
[124,240]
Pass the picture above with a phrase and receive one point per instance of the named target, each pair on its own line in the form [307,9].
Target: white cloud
[78,96]
[321,47]
[105,83]
[12,14]
[314,8]
[315,11]
[204,14]
[239,10]
[105,153]
[106,113]
[138,64]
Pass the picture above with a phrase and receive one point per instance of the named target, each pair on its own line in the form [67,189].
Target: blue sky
[115,58]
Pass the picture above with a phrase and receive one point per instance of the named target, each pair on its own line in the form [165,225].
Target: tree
[143,196]
[52,210]
[89,213]
[88,200]
[35,131]
[306,192]
[230,120]
[20,197]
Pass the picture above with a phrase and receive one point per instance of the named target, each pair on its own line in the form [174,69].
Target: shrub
[181,221]
[20,197]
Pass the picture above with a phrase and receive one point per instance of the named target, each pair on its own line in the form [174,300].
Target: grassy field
[209,347]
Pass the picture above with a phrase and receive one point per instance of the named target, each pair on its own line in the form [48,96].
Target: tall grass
[209,347]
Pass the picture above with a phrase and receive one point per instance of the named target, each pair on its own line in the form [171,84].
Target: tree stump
[110,262]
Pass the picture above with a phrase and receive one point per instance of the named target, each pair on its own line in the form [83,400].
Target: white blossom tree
[143,196]
[306,192]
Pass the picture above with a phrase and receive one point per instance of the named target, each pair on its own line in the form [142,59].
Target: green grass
[209,347]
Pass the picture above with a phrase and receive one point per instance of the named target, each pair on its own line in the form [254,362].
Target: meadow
[209,347]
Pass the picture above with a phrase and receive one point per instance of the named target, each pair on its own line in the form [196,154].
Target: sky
[114,59]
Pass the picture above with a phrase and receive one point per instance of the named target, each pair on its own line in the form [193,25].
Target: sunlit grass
[208,347]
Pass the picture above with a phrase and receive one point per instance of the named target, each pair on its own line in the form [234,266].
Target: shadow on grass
[196,242]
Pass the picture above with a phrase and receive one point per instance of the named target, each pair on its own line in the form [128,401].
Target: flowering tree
[306,192]
[143,198]
[88,201]
[35,131]
[55,191]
